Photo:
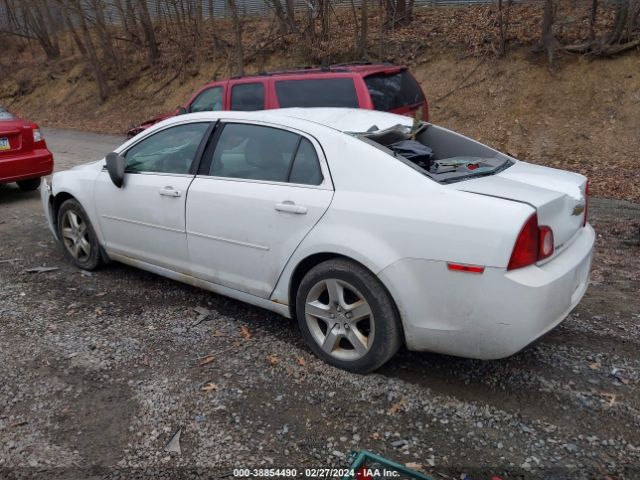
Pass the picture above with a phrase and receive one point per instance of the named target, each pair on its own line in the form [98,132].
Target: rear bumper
[490,315]
[35,164]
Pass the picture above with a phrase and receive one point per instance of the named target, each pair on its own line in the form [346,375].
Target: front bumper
[35,164]
[490,315]
[47,205]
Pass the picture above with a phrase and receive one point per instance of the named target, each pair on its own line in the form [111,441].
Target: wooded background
[110,34]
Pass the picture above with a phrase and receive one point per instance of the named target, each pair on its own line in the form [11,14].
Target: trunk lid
[558,196]
[16,136]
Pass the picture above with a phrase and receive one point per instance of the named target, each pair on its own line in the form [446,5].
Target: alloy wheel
[340,319]
[75,235]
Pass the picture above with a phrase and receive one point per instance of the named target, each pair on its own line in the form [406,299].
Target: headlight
[37,135]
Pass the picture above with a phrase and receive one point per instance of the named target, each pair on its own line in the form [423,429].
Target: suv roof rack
[336,67]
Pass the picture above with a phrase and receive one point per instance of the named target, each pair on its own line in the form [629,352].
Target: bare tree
[364,29]
[149,34]
[92,54]
[549,41]
[237,33]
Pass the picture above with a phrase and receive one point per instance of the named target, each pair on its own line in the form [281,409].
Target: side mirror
[182,111]
[115,167]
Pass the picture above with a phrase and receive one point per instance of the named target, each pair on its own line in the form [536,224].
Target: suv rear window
[397,90]
[328,92]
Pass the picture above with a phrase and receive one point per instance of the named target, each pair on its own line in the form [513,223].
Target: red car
[386,87]
[24,157]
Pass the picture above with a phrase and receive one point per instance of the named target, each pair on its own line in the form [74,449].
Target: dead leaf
[414,466]
[302,362]
[397,407]
[595,366]
[273,359]
[244,331]
[218,333]
[206,360]
[209,387]
[375,436]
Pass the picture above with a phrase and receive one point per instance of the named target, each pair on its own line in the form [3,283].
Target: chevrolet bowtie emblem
[578,209]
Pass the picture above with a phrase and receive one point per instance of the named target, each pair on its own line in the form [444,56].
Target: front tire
[347,317]
[29,185]
[78,238]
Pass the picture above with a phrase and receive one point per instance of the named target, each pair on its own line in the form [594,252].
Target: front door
[145,218]
[259,191]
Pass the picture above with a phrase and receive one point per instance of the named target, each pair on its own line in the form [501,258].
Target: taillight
[545,243]
[533,244]
[586,203]
[37,135]
[525,251]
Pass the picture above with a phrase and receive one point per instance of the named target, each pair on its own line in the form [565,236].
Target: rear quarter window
[325,92]
[397,90]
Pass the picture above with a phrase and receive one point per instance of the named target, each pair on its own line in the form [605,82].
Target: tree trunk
[619,22]
[72,29]
[364,29]
[94,62]
[548,38]
[592,20]
[149,34]
[237,31]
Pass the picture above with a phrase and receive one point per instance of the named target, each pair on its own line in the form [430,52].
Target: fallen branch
[462,82]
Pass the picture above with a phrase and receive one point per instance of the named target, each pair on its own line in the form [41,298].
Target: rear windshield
[324,92]
[397,90]
[4,115]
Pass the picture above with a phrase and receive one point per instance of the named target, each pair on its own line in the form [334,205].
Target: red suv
[24,157]
[386,87]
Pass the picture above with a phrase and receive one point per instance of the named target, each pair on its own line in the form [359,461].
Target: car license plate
[4,144]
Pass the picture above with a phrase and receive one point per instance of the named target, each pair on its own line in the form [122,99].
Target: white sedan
[372,230]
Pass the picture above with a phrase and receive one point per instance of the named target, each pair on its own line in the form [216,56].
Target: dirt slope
[583,115]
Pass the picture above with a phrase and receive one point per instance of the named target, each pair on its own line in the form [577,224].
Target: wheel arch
[56,201]
[310,261]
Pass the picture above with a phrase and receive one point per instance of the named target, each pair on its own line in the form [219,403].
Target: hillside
[583,113]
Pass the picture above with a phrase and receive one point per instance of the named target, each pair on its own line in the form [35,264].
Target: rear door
[259,191]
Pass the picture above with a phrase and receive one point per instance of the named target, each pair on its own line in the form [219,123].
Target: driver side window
[172,150]
[209,100]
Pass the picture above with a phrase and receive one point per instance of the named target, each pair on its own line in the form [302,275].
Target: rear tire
[29,185]
[347,317]
[78,238]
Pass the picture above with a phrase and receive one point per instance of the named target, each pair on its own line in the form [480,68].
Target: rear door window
[389,92]
[319,92]
[247,97]
[256,152]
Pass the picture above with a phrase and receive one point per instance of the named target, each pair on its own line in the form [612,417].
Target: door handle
[169,191]
[291,207]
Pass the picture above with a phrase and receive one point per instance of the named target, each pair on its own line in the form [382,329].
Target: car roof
[341,119]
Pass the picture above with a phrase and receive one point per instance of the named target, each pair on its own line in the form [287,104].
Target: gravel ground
[99,371]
